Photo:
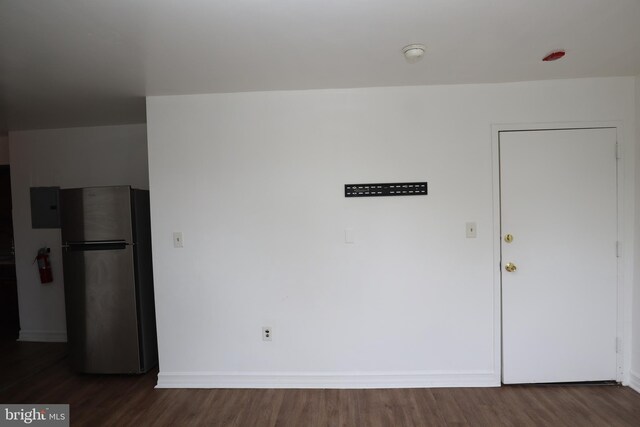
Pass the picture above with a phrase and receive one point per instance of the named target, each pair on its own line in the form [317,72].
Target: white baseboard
[634,381]
[42,336]
[326,380]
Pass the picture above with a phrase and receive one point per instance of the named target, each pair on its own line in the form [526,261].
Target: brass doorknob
[508,238]
[510,267]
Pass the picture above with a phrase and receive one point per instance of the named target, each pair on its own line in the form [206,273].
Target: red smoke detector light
[554,56]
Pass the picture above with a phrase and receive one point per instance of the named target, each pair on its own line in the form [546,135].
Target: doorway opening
[9,319]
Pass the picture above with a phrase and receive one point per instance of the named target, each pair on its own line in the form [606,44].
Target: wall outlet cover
[267,333]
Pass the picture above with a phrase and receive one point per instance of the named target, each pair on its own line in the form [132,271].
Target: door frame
[624,276]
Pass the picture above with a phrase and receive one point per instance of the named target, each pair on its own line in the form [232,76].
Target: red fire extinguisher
[44,266]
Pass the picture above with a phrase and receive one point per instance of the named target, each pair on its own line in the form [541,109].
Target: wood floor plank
[449,408]
[426,409]
[262,408]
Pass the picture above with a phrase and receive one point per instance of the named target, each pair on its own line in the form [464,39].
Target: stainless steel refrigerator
[108,279]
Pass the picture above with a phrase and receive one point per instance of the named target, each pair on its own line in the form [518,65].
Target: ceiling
[90,62]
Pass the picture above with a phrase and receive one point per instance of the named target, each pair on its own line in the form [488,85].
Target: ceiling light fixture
[413,53]
[554,56]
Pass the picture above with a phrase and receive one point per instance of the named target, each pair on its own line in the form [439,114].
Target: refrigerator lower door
[101,310]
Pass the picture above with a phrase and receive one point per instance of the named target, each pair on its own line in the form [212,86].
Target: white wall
[635,364]
[73,157]
[255,183]
[4,150]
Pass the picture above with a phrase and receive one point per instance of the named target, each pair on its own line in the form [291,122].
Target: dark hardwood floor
[37,373]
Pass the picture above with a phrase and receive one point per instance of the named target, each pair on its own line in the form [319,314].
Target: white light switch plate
[349,235]
[472,230]
[177,239]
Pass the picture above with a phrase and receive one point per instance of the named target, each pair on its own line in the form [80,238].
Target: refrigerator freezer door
[101,310]
[96,214]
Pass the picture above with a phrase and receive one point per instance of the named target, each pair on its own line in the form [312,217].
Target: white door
[559,204]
